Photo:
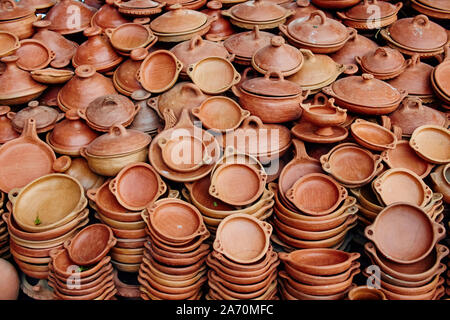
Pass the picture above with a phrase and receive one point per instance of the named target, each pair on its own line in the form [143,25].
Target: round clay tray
[431,143]
[404,233]
[243,238]
[220,113]
[33,55]
[237,184]
[205,73]
[401,185]
[372,135]
[159,71]
[175,220]
[8,43]
[316,194]
[137,185]
[129,36]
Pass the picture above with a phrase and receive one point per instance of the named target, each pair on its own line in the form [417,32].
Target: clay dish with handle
[130,36]
[373,136]
[431,143]
[52,76]
[9,43]
[7,131]
[33,55]
[366,293]
[441,180]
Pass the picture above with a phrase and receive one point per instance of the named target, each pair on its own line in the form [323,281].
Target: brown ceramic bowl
[147,259]
[258,265]
[366,293]
[175,261]
[183,255]
[242,288]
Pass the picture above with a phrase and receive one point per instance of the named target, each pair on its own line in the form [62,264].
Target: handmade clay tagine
[17,18]
[439,80]
[302,8]
[108,16]
[69,10]
[139,8]
[221,29]
[320,123]
[124,78]
[357,45]
[384,63]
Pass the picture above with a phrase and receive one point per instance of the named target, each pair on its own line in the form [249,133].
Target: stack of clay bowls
[243,265]
[173,266]
[440,82]
[119,206]
[317,274]
[4,235]
[82,269]
[57,213]
[409,263]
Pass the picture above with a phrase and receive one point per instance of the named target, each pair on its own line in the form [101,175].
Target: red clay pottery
[9,43]
[388,186]
[69,10]
[331,194]
[124,78]
[441,181]
[384,63]
[122,40]
[439,81]
[105,58]
[317,33]
[17,85]
[351,165]
[7,131]
[52,76]
[243,238]
[108,16]
[159,71]
[45,117]
[391,235]
[202,74]
[136,186]
[41,6]
[63,48]
[302,8]
[277,56]
[11,283]
[365,95]
[319,262]
[340,4]
[147,119]
[90,245]
[434,9]
[431,143]
[84,87]
[366,293]
[138,8]
[244,44]
[17,18]
[271,98]
[36,159]
[70,135]
[357,45]
[33,55]
[372,136]
[109,153]
[221,29]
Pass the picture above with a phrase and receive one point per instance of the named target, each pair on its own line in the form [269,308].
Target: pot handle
[67,243]
[442,251]
[10,115]
[195,42]
[328,91]
[439,231]
[81,113]
[92,194]
[320,96]
[253,119]
[13,194]
[355,255]
[274,73]
[186,194]
[300,150]
[283,256]
[351,33]
[83,152]
[236,91]
[290,194]
[342,15]
[109,32]
[382,51]
[112,185]
[386,122]
[29,131]
[320,14]
[162,187]
[350,69]
[369,233]
[62,164]
[421,21]
[8,5]
[118,130]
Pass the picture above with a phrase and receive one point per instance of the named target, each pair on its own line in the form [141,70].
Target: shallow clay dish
[401,185]
[243,238]
[136,186]
[129,36]
[366,293]
[159,71]
[52,76]
[33,55]
[372,135]
[304,194]
[431,143]
[204,75]
[391,233]
[9,42]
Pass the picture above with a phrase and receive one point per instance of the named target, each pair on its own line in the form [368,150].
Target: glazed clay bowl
[175,220]
[366,293]
[90,245]
[396,221]
[304,194]
[320,262]
[53,199]
[242,238]
[431,143]
[372,136]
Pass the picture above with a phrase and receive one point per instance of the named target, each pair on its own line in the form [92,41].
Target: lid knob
[277,41]
[85,71]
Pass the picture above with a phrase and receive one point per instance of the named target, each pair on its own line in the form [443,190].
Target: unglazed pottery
[425,141]
[65,10]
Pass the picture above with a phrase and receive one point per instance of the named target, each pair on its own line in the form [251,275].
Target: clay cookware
[17,85]
[64,49]
[350,164]
[440,83]
[202,74]
[357,45]
[257,11]
[331,194]
[52,76]
[33,55]
[372,135]
[391,187]
[17,18]
[124,77]
[392,237]
[320,262]
[11,284]
[90,245]
[243,238]
[366,293]
[9,43]
[36,159]
[185,220]
[220,114]
[139,8]
[159,71]
[78,168]
[137,185]
[441,180]
[384,63]
[108,16]
[431,143]
[66,10]
[130,36]
[221,29]
[7,131]
[147,119]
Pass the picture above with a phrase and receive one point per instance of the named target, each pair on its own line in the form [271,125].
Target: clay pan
[432,143]
[33,55]
[316,194]
[243,238]
[372,135]
[129,36]
[8,43]
[404,233]
[159,71]
[137,185]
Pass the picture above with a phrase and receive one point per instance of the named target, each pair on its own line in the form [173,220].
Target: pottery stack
[243,263]
[58,213]
[317,274]
[4,235]
[408,265]
[173,266]
[82,269]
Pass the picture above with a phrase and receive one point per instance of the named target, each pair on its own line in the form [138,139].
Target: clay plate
[33,55]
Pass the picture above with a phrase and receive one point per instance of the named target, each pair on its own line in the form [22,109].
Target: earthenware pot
[66,10]
[441,180]
[220,29]
[425,141]
[120,37]
[33,55]
[366,293]
[7,131]
[108,16]
[17,18]
[357,45]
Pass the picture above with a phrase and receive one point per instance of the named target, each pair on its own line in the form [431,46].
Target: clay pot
[440,84]
[33,55]
[384,63]
[10,43]
[105,58]
[372,135]
[10,283]
[176,261]
[124,77]
[327,4]
[221,28]
[441,180]
[108,16]
[64,11]
[357,45]
[426,138]
[366,293]
[120,37]
[147,119]
[7,131]
[63,48]
[18,86]
[303,8]
[138,8]
[52,76]
[17,18]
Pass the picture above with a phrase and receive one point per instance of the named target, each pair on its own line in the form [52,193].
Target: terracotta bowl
[268,259]
[145,273]
[366,293]
[227,294]
[129,234]
[130,36]
[37,253]
[126,258]
[33,55]
[293,294]
[131,243]
[431,143]
[138,225]
[98,284]
[100,294]
[147,259]
[149,269]
[148,281]
[176,261]
[85,282]
[242,288]
[372,135]
[182,255]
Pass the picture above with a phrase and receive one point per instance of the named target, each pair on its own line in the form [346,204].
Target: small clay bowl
[126,258]
[95,286]
[372,136]
[130,36]
[305,194]
[293,294]
[258,265]
[366,293]
[138,225]
[145,273]
[320,262]
[131,243]
[431,143]
[9,43]
[234,295]
[148,268]
[184,255]
[147,259]
[149,281]
[393,238]
[36,253]
[165,296]
[243,238]
[33,55]
[129,234]
[175,261]
[431,295]
[90,245]
[190,246]
[104,291]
